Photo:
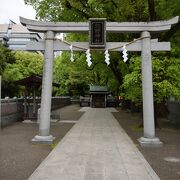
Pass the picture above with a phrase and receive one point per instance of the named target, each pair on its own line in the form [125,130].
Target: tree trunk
[152,13]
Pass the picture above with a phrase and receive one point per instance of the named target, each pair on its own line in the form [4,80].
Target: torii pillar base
[150,142]
[43,139]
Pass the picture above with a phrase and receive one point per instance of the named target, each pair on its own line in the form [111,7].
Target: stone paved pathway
[96,148]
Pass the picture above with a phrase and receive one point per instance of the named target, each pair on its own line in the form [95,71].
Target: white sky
[12,9]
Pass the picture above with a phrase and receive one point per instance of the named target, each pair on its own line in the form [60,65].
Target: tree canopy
[166,79]
[24,65]
[6,58]
[118,72]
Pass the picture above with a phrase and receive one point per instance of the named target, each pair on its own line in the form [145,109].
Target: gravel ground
[18,156]
[168,133]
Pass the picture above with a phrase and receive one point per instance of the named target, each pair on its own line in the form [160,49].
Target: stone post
[25,104]
[44,126]
[91,101]
[149,138]
[34,102]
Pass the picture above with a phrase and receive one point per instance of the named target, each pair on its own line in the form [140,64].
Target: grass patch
[136,128]
[54,144]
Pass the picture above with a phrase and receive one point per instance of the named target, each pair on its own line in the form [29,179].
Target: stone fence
[174,111]
[12,110]
[58,102]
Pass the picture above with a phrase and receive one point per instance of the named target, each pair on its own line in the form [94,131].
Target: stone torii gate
[145,45]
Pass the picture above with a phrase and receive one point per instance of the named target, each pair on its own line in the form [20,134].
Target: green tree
[166,79]
[25,64]
[71,10]
[132,82]
[6,57]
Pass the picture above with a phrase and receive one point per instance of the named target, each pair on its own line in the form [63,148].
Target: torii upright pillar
[44,126]
[149,138]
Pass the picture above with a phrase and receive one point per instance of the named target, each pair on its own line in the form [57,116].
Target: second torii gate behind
[146,45]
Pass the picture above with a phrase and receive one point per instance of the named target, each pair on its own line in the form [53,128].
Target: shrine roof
[32,80]
[94,89]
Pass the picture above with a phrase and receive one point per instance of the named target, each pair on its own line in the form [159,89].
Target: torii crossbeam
[146,45]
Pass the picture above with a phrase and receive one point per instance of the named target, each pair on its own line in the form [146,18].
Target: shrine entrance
[97,29]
